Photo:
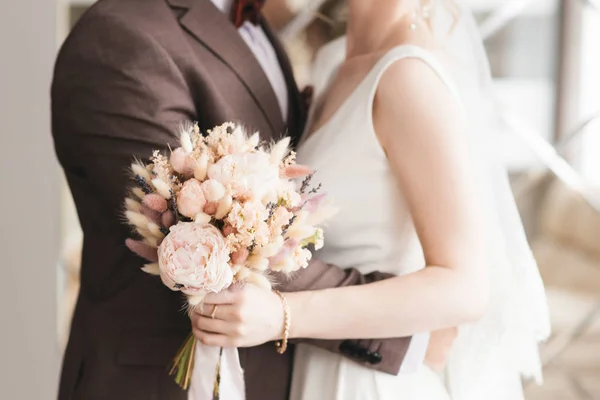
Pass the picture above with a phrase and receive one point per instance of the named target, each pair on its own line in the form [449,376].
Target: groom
[130,71]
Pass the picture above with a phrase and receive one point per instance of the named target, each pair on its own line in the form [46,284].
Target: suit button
[374,358]
[347,348]
[353,350]
[362,353]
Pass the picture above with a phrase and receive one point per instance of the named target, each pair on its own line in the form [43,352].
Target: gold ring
[214,312]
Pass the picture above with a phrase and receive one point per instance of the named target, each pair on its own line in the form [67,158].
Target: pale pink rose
[246,175]
[190,199]
[182,162]
[194,259]
[178,160]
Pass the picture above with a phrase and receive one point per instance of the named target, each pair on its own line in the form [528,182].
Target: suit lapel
[211,27]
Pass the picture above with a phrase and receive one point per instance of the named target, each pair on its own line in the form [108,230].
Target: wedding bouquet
[222,208]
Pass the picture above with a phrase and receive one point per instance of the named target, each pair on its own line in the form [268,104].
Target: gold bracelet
[282,344]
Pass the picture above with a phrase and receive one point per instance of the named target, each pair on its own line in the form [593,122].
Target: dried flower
[221,209]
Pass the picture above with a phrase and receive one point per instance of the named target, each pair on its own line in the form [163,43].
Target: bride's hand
[243,317]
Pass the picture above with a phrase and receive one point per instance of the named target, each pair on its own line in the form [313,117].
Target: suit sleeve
[116,95]
[385,355]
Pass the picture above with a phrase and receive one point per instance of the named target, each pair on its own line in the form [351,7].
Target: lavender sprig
[252,246]
[271,207]
[306,183]
[143,184]
[174,205]
[286,227]
[315,190]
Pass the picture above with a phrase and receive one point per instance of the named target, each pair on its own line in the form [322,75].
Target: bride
[402,139]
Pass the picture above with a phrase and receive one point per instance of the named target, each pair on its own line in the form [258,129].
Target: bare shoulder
[412,98]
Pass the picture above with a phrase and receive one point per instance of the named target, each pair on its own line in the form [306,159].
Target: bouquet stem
[183,363]
[218,377]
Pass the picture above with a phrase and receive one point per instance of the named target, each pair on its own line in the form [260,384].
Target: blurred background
[545,60]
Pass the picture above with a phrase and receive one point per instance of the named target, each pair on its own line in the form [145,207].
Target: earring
[426,11]
[413,24]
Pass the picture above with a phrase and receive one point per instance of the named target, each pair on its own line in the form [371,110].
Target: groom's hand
[440,344]
[239,317]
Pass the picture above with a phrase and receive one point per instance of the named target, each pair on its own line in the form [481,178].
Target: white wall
[29,182]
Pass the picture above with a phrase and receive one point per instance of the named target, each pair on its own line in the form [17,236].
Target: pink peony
[194,258]
[247,174]
[191,200]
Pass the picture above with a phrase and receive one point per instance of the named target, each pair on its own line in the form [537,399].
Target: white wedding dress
[374,231]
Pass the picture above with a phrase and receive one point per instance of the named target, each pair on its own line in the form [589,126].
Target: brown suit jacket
[128,74]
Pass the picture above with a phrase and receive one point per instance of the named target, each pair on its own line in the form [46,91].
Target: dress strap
[416,52]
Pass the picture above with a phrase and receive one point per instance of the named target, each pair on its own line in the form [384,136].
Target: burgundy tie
[246,10]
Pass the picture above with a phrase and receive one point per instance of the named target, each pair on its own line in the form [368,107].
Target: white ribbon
[204,374]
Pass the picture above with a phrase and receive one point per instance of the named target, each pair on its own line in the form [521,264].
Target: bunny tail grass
[260,280]
[224,207]
[186,142]
[151,269]
[154,229]
[254,140]
[137,219]
[133,205]
[279,150]
[139,169]
[142,249]
[162,188]
[138,192]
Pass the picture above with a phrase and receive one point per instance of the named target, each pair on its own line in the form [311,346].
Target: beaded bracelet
[282,344]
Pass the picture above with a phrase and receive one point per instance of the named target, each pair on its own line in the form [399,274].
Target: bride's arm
[421,127]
